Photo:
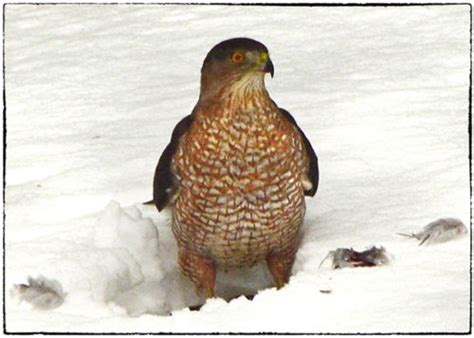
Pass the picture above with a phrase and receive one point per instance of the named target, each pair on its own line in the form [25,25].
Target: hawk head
[236,63]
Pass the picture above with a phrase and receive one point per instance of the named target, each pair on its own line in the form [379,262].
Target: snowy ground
[93,93]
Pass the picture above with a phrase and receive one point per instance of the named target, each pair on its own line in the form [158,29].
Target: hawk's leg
[201,270]
[280,264]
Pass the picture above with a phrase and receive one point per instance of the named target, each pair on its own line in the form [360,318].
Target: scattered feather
[349,258]
[439,231]
[41,292]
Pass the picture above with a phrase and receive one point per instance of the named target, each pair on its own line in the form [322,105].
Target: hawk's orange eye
[237,58]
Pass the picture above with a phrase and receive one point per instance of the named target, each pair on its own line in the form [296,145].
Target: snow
[93,93]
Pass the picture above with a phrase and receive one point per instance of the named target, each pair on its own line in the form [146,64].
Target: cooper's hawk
[236,171]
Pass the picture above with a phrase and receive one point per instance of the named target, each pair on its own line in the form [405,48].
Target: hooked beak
[267,67]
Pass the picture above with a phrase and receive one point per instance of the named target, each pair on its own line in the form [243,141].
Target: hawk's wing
[164,181]
[313,170]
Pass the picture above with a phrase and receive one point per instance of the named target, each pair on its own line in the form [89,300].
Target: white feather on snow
[40,292]
[93,93]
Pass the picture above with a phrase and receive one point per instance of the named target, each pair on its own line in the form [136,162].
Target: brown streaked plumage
[236,171]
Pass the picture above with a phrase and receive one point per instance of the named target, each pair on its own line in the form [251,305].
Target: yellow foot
[279,283]
[280,268]
[210,293]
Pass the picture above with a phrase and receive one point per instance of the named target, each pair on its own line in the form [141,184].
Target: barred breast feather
[240,184]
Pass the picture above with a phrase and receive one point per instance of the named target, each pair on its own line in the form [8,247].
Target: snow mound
[118,262]
[149,286]
[119,228]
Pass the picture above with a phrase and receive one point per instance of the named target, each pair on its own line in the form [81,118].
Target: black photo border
[288,4]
